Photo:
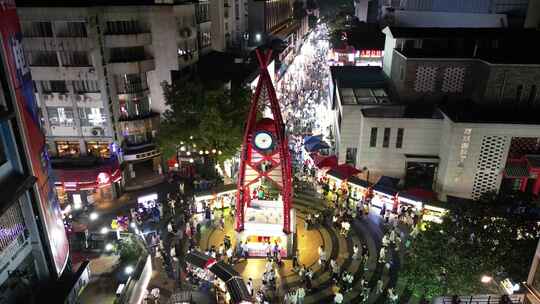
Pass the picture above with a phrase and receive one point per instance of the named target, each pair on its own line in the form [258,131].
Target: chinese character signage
[11,40]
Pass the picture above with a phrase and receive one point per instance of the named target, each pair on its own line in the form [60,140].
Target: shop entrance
[420,175]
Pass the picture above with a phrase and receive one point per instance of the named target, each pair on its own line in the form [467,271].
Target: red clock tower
[265,157]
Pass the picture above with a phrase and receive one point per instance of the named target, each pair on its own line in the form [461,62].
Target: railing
[481,299]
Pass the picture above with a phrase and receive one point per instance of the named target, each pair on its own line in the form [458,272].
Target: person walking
[355,252]
[249,286]
[379,286]
[338,298]
[300,294]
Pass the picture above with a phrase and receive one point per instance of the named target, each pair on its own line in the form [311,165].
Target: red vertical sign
[19,71]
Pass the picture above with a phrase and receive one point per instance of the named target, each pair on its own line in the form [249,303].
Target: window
[127,54]
[12,223]
[37,29]
[85,86]
[57,86]
[91,117]
[532,95]
[74,58]
[350,157]
[131,83]
[42,58]
[98,149]
[59,116]
[68,148]
[519,90]
[70,29]
[399,139]
[125,27]
[386,138]
[373,138]
[202,11]
[205,39]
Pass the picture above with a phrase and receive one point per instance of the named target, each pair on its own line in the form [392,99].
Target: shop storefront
[79,186]
[410,201]
[264,225]
[205,271]
[434,214]
[221,198]
[358,189]
[384,196]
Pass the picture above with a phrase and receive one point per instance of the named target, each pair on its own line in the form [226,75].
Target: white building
[98,70]
[460,126]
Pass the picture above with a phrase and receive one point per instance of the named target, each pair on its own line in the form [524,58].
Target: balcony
[58,43]
[141,152]
[63,131]
[127,40]
[89,100]
[57,72]
[137,125]
[134,67]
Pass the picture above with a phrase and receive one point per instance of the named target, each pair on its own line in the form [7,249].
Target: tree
[208,117]
[474,240]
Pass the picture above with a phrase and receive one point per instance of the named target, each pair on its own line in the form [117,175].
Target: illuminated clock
[263,141]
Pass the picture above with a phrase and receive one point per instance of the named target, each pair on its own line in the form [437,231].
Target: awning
[358,182]
[197,259]
[89,177]
[223,271]
[343,171]
[325,161]
[237,290]
[516,169]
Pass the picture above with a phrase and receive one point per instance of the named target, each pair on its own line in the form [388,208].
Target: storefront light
[213,151]
[176,165]
[188,153]
[206,152]
[191,160]
[201,152]
[182,148]
[109,247]
[129,270]
[104,230]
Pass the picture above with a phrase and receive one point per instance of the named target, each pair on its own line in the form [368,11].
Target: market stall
[406,199]
[359,189]
[220,198]
[434,214]
[228,284]
[263,225]
[383,195]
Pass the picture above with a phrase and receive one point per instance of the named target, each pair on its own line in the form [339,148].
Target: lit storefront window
[98,149]
[68,148]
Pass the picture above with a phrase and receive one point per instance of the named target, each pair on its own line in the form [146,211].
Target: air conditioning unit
[97,131]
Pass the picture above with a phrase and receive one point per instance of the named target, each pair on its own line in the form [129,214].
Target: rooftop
[469,112]
[359,76]
[86,3]
[456,32]
[402,111]
[364,36]
[407,18]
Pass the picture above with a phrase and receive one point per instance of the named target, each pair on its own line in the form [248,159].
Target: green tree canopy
[482,238]
[209,117]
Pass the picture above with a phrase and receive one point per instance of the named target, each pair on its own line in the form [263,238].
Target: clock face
[263,141]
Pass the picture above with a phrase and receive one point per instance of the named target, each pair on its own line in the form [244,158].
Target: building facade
[98,72]
[458,122]
[33,242]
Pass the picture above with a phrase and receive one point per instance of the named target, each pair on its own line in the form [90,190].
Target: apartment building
[448,112]
[98,72]
[33,243]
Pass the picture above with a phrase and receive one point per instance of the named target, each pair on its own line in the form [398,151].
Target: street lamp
[486,279]
[104,230]
[129,270]
[109,247]
[93,216]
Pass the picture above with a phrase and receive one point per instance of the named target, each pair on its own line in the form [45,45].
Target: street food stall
[228,283]
[383,195]
[434,214]
[264,224]
[219,198]
[359,189]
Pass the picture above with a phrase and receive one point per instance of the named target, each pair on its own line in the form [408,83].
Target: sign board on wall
[26,106]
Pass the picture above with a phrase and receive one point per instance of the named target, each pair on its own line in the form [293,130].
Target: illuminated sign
[103,178]
[371,53]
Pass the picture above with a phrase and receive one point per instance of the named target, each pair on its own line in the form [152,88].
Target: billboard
[19,72]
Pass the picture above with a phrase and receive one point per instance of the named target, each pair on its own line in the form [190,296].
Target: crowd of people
[303,94]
